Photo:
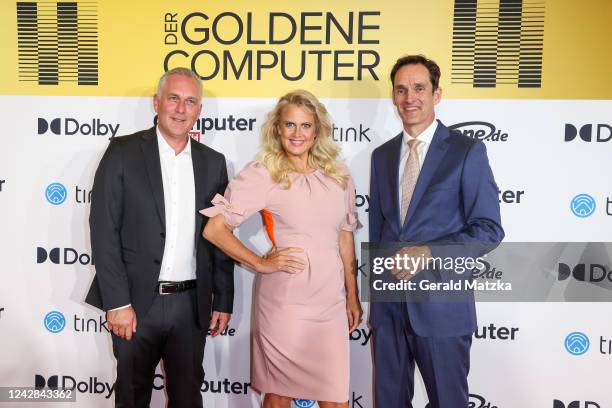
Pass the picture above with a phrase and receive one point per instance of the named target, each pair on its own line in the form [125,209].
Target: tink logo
[577,343]
[583,205]
[55,321]
[302,403]
[56,193]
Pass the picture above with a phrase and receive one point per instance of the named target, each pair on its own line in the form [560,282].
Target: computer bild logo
[583,205]
[57,42]
[497,43]
[54,321]
[577,343]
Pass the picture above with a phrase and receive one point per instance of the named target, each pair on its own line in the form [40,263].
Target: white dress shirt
[179,260]
[425,141]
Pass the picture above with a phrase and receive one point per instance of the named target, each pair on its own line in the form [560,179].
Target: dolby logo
[475,401]
[480,131]
[62,256]
[71,126]
[585,272]
[575,404]
[598,132]
[90,386]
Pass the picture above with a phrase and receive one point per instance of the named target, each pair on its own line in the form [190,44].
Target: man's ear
[437,95]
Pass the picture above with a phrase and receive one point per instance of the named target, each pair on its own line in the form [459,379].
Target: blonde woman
[306,300]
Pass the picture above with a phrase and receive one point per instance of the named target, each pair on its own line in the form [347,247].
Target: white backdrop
[532,369]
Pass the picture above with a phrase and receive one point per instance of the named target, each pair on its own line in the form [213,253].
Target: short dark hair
[432,67]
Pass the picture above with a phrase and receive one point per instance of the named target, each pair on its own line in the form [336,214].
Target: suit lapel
[200,173]
[150,150]
[435,153]
[395,150]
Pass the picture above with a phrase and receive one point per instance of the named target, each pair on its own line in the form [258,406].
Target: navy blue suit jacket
[455,200]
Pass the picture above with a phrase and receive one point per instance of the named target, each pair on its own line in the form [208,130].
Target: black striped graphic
[57,42]
[498,42]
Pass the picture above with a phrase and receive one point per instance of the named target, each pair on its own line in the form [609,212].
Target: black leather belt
[166,288]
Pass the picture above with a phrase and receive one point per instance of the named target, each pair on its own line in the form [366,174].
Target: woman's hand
[281,260]
[353,311]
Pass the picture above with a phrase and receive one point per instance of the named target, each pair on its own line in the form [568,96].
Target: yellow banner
[340,49]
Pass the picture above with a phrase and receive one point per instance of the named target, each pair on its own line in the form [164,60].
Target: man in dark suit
[161,284]
[430,188]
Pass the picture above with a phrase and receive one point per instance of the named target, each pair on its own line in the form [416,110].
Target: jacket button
[156,261]
[163,235]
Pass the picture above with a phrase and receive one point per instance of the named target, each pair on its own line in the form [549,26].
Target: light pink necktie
[411,174]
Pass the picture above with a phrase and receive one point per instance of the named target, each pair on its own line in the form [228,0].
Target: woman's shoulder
[255,171]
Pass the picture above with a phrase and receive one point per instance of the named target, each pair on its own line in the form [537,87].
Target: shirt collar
[165,148]
[425,137]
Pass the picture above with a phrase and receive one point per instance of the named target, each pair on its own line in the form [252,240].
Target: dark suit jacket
[454,201]
[127,223]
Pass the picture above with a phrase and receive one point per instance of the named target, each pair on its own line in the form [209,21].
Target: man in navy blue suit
[432,189]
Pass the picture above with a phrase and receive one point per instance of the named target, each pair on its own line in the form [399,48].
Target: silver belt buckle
[161,286]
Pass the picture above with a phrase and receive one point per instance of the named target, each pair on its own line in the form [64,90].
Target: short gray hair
[179,71]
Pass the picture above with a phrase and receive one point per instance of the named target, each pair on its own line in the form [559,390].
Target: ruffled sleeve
[351,221]
[244,196]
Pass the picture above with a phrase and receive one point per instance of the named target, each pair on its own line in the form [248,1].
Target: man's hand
[410,268]
[218,322]
[122,322]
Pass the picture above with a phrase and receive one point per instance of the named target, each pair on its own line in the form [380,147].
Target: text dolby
[328,30]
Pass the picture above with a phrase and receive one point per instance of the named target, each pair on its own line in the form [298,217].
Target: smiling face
[178,106]
[414,97]
[297,131]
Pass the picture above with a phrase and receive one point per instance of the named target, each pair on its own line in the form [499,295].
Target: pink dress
[299,344]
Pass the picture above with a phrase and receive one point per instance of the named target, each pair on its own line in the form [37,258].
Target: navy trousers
[444,363]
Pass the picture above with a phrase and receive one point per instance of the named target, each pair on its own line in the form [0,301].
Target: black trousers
[169,332]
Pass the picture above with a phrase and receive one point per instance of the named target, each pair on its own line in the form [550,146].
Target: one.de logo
[583,205]
[577,343]
[302,403]
[55,321]
[56,193]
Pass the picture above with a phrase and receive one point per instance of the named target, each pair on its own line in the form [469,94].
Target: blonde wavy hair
[323,154]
